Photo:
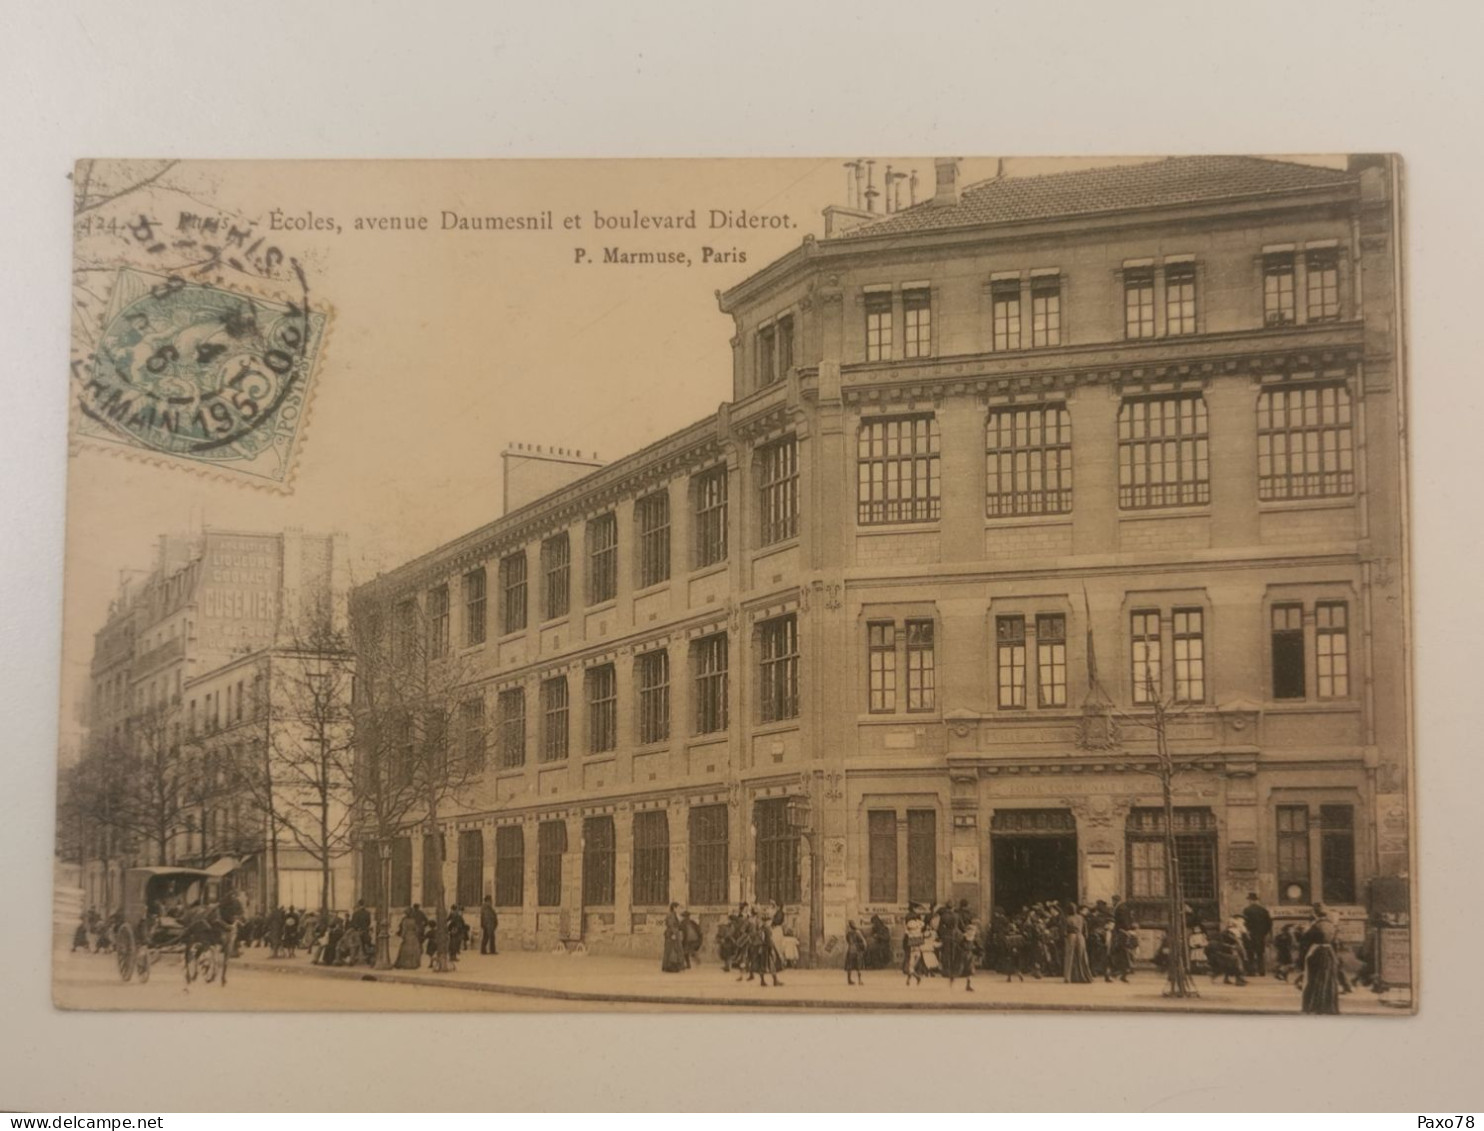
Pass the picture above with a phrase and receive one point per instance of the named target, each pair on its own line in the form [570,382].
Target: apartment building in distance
[998,472]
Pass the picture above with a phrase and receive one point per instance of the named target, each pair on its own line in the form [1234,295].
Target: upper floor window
[898,470]
[881,659]
[878,325]
[556,573]
[1146,675]
[602,709]
[474,606]
[1045,310]
[1277,289]
[652,670]
[1051,660]
[1028,461]
[652,516]
[554,719]
[1179,298]
[472,741]
[1322,285]
[709,658]
[1004,302]
[1138,302]
[1332,649]
[602,559]
[917,322]
[404,639]
[1188,635]
[785,345]
[778,668]
[767,356]
[888,652]
[1305,443]
[778,482]
[513,586]
[710,495]
[1287,644]
[1163,452]
[438,620]
[512,704]
[1010,660]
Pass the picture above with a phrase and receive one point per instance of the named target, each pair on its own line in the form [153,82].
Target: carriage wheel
[123,951]
[144,964]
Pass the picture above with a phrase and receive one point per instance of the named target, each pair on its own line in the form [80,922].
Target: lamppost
[384,910]
[801,821]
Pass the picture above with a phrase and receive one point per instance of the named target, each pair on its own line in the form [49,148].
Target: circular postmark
[196,370]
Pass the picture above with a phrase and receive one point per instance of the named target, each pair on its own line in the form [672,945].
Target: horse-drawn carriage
[173,911]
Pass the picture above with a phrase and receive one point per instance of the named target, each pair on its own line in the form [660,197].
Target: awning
[222,867]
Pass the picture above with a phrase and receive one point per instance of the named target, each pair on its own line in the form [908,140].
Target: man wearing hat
[1259,923]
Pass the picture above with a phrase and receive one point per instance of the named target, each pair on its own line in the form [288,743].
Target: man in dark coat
[489,922]
[1259,926]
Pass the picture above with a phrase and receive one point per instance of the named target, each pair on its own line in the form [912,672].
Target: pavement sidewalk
[632,981]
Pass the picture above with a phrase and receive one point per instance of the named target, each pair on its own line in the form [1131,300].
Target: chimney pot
[946,170]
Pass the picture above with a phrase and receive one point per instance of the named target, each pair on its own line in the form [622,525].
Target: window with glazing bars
[554,719]
[922,855]
[1337,853]
[709,655]
[513,727]
[1322,285]
[1195,855]
[1180,298]
[777,853]
[652,517]
[1332,649]
[711,516]
[652,670]
[897,467]
[1028,461]
[602,709]
[556,574]
[1277,289]
[778,488]
[469,881]
[401,885]
[602,559]
[878,325]
[1004,308]
[1144,649]
[1010,659]
[708,855]
[1305,443]
[1138,302]
[438,620]
[1188,637]
[917,322]
[651,858]
[881,661]
[779,668]
[472,741]
[510,866]
[1288,651]
[1163,453]
[881,835]
[785,345]
[1045,311]
[1051,660]
[513,586]
[766,357]
[474,606]
[597,862]
[551,842]
[1294,880]
[922,673]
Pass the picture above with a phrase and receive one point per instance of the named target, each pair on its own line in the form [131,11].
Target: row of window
[1027,313]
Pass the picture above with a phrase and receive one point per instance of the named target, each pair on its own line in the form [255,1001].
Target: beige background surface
[344,80]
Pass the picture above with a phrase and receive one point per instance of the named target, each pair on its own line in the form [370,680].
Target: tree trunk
[1179,972]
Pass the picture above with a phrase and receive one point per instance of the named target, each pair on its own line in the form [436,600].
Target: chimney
[947,175]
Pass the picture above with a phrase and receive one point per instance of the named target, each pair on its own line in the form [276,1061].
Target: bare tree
[158,804]
[94,807]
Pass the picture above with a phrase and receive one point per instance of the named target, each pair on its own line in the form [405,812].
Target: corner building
[999,469]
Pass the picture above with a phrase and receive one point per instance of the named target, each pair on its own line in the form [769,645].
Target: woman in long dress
[409,954]
[1075,967]
[1321,964]
[673,959]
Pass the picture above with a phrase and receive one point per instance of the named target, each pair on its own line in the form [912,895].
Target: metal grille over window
[881,832]
[710,658]
[1189,639]
[554,719]
[1293,854]
[922,674]
[404,644]
[653,670]
[1163,453]
[1051,660]
[878,325]
[1010,655]
[1277,289]
[437,620]
[711,517]
[708,855]
[1305,443]
[1138,302]
[1004,300]
[1195,856]
[881,653]
[653,516]
[513,727]
[469,888]
[598,850]
[510,866]
[922,855]
[602,559]
[556,571]
[473,741]
[474,606]
[1332,649]
[551,843]
[779,668]
[917,319]
[401,886]
[1337,853]
[1045,311]
[652,858]
[1180,299]
[777,853]
[778,483]
[1144,649]
[898,470]
[1322,285]
[513,583]
[602,709]
[1028,461]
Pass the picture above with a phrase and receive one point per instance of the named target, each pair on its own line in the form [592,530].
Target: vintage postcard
[842,584]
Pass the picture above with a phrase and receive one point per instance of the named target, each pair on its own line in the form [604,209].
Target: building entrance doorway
[1034,858]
